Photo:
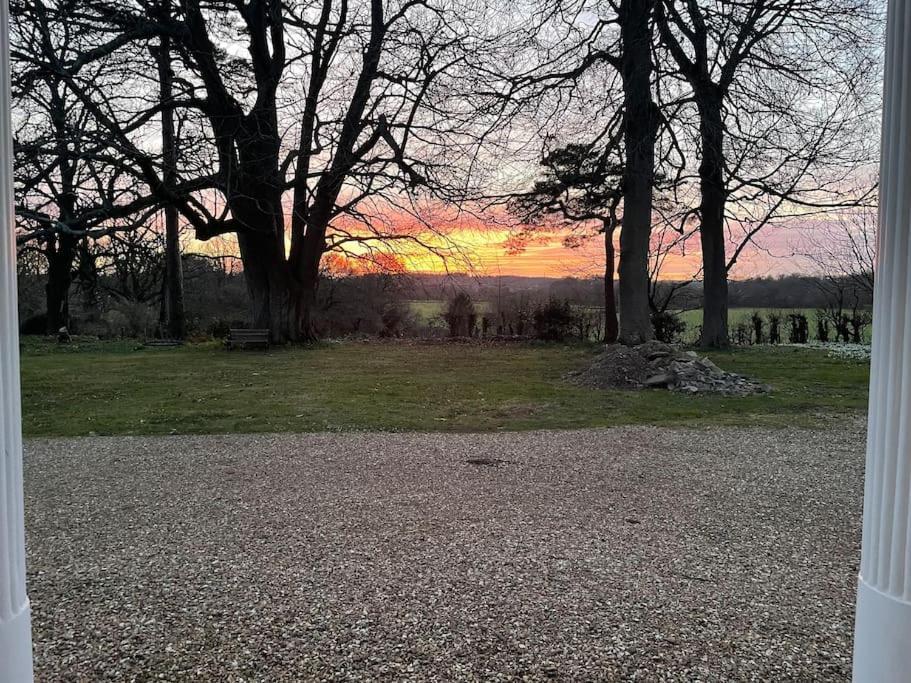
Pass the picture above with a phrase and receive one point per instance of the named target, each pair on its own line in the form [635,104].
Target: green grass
[96,388]
[693,320]
[431,310]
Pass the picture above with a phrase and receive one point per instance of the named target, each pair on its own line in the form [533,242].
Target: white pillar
[882,631]
[15,621]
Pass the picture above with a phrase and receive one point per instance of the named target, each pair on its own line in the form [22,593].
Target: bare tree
[68,191]
[640,130]
[585,75]
[842,251]
[844,248]
[778,87]
[312,119]
[173,319]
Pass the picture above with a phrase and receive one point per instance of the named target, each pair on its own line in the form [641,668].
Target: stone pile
[661,366]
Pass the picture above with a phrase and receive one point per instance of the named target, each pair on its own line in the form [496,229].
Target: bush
[218,328]
[758,324]
[129,319]
[669,327]
[35,325]
[554,321]
[800,329]
[859,321]
[742,333]
[397,320]
[461,316]
[822,325]
[774,327]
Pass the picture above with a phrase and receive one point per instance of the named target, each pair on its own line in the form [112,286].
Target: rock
[709,365]
[657,365]
[653,347]
[661,380]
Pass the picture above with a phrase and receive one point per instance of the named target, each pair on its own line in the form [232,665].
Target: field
[693,320]
[429,311]
[113,388]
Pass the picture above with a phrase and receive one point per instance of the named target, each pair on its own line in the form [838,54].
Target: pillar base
[16,648]
[882,637]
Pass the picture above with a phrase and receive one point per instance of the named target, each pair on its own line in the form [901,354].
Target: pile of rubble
[661,366]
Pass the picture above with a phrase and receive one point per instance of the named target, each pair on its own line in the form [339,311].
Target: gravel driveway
[620,554]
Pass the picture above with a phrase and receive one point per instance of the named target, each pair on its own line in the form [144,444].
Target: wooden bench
[163,343]
[247,339]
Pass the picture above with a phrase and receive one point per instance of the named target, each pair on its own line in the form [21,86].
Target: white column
[15,621]
[882,631]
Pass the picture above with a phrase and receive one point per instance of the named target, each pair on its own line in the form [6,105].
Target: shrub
[758,324]
[396,320]
[859,321]
[774,327]
[554,321]
[461,316]
[799,332]
[218,328]
[36,324]
[669,327]
[130,319]
[742,334]
[822,325]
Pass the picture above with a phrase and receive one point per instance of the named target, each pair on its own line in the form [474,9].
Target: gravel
[621,554]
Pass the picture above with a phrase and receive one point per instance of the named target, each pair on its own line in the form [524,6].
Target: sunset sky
[490,252]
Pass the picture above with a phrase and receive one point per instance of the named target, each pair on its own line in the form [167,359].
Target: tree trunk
[639,140]
[172,299]
[272,292]
[611,328]
[60,255]
[711,231]
[308,276]
[87,274]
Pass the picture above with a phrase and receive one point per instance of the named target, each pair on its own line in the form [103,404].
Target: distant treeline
[125,299]
[790,291]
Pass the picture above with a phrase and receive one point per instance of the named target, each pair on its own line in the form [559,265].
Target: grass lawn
[111,388]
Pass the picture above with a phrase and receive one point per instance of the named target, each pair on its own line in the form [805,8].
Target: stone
[662,380]
[657,365]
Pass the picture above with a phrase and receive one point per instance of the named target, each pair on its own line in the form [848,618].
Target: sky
[492,252]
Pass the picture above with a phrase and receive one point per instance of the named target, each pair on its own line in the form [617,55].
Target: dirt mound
[661,366]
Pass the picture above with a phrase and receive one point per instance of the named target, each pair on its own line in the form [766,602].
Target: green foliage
[578,182]
[669,327]
[112,388]
[461,316]
[554,321]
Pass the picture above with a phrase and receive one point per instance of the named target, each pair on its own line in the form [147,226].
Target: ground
[632,553]
[106,388]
